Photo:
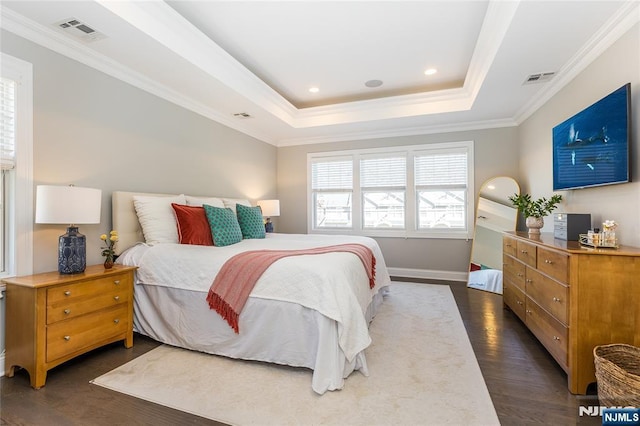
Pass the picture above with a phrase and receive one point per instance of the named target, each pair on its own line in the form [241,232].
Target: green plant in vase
[534,211]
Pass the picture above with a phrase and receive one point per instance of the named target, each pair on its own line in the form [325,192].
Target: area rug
[422,372]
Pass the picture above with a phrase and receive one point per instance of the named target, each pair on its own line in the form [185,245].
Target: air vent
[539,78]
[79,30]
[242,115]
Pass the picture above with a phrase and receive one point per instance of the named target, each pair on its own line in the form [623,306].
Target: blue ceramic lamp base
[72,252]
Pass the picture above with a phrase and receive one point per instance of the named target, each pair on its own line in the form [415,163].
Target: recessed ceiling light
[430,71]
[373,83]
[314,89]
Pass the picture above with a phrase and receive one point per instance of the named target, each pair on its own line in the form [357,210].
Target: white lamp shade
[67,204]
[270,208]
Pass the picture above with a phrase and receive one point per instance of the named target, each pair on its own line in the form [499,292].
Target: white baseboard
[1,364]
[428,274]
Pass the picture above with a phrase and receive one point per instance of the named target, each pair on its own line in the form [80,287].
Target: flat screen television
[592,147]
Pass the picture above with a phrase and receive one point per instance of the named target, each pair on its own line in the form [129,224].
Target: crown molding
[625,18]
[407,131]
[62,44]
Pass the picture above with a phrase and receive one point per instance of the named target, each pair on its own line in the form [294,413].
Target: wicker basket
[618,375]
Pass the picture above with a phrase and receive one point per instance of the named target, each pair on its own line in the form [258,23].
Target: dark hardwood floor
[525,383]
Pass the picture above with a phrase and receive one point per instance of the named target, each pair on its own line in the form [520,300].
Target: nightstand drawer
[77,306]
[86,289]
[66,337]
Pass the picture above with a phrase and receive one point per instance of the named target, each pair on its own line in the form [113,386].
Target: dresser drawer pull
[520,274]
[116,282]
[116,321]
[529,280]
[116,298]
[519,302]
[508,245]
[556,299]
[67,338]
[523,251]
[528,311]
[67,311]
[556,338]
[67,293]
[548,261]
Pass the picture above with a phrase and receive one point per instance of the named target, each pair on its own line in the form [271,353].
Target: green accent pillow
[225,229]
[250,220]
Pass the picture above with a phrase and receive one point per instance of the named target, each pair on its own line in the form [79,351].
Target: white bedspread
[334,284]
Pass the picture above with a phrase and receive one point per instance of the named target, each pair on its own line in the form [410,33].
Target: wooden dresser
[52,318]
[573,298]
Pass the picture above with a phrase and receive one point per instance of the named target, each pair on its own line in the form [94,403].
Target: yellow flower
[113,233]
[114,238]
[103,237]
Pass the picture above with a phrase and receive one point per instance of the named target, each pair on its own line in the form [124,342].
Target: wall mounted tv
[592,147]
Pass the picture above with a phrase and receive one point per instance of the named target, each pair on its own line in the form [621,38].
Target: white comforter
[334,284]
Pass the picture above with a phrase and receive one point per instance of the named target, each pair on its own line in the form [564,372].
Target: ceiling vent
[539,78]
[79,30]
[242,115]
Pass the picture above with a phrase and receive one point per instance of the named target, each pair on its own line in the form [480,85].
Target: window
[411,191]
[16,160]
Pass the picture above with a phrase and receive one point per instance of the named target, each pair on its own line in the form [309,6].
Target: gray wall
[495,153]
[619,65]
[93,130]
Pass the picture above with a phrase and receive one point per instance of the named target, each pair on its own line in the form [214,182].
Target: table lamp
[270,208]
[71,205]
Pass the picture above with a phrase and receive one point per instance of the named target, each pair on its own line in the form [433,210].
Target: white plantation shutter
[441,169]
[383,172]
[332,175]
[7,123]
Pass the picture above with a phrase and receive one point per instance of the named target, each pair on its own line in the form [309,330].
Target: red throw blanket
[237,277]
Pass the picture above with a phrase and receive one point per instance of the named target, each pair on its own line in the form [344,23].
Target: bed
[310,311]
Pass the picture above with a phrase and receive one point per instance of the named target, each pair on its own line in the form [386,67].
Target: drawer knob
[67,311]
[529,280]
[556,338]
[520,274]
[116,282]
[555,299]
[523,251]
[116,298]
[519,302]
[67,293]
[67,338]
[528,311]
[548,261]
[116,321]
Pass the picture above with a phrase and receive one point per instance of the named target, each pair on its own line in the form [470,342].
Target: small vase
[108,263]
[534,224]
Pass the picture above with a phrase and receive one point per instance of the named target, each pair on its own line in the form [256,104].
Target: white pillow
[199,201]
[157,217]
[231,203]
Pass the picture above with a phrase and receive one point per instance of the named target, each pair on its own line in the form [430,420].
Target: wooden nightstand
[52,318]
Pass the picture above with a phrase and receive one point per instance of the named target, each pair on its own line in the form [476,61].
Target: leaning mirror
[494,215]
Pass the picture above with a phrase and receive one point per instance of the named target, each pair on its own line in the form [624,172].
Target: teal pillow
[250,220]
[225,229]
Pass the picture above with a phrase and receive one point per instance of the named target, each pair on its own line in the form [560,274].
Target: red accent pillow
[474,267]
[193,226]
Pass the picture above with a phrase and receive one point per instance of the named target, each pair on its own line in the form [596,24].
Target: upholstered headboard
[125,219]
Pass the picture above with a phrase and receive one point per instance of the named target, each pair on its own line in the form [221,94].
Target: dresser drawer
[554,264]
[514,271]
[86,289]
[551,333]
[66,337]
[552,296]
[509,246]
[514,299]
[73,307]
[526,252]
